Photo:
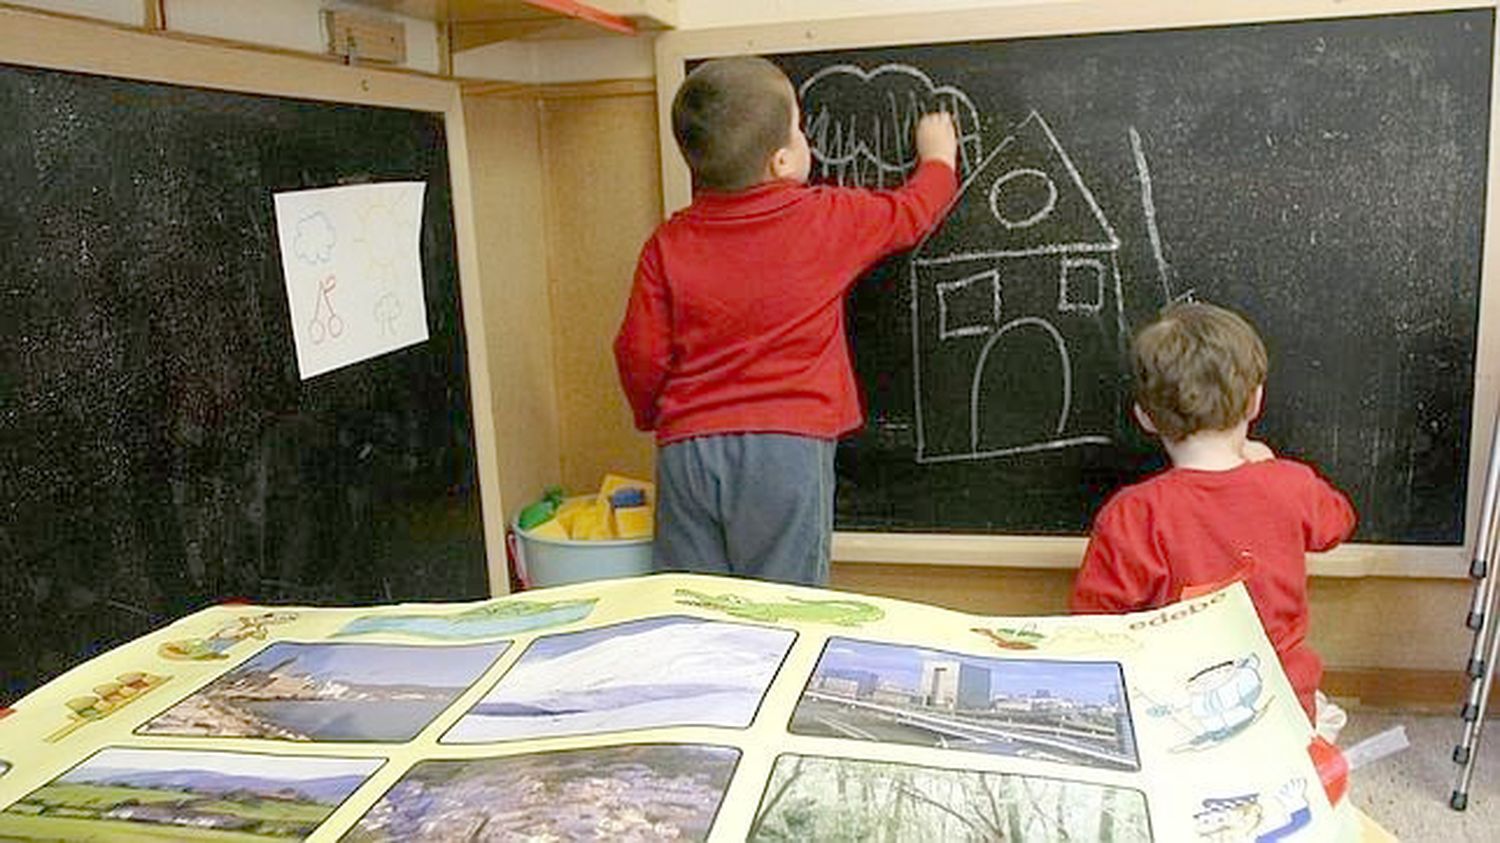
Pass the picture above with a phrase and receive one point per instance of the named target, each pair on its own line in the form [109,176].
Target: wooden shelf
[475,23]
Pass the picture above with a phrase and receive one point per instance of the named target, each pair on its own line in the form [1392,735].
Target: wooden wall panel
[505,162]
[603,200]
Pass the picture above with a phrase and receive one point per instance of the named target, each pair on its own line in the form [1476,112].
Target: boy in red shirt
[1228,508]
[733,348]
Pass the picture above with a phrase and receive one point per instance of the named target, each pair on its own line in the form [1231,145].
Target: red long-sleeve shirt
[1185,528]
[735,322]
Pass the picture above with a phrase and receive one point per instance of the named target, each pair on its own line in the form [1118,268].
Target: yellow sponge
[568,512]
[592,522]
[633,522]
[552,528]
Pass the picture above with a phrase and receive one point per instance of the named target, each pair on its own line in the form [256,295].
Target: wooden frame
[674,49]
[60,43]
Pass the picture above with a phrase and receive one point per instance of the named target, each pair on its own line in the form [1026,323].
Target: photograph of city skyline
[1063,711]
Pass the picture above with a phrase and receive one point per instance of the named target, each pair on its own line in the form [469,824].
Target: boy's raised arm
[1331,519]
[876,223]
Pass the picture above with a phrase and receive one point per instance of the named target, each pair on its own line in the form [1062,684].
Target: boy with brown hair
[1228,509]
[733,347]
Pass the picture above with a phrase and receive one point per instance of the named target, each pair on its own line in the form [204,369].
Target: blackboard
[1325,178]
[161,451]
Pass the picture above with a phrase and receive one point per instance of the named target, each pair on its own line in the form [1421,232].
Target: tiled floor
[1407,793]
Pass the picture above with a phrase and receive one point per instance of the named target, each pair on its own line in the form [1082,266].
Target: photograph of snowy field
[1065,711]
[663,671]
[156,794]
[645,792]
[840,799]
[330,692]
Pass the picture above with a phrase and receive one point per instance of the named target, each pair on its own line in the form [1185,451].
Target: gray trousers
[749,504]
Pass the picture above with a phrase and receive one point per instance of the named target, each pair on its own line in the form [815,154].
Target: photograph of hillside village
[1063,711]
[633,792]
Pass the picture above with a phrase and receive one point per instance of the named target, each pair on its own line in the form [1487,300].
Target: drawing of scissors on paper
[325,326]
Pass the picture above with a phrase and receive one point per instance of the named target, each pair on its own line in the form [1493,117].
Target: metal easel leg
[1481,619]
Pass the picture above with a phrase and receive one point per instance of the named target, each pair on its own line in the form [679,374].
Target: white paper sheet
[352,260]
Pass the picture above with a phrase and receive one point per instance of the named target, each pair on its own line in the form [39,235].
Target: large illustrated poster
[672,707]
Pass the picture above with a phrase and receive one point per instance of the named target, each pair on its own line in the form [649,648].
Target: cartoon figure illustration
[1220,702]
[107,698]
[838,612]
[1247,817]
[506,617]
[1017,319]
[215,646]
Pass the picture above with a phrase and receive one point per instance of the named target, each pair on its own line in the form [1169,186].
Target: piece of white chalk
[1376,747]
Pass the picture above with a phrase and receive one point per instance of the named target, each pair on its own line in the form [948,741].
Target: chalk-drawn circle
[1019,197]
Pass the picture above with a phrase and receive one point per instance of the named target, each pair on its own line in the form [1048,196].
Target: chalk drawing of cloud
[860,122]
[315,238]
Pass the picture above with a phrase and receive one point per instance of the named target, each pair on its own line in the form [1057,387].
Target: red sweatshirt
[1186,527]
[736,319]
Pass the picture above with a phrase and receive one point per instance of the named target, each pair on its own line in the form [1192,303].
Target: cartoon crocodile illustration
[499,617]
[1009,638]
[216,646]
[1066,640]
[838,612]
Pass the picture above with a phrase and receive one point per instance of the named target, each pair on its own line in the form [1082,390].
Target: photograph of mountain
[662,671]
[636,792]
[330,692]
[157,794]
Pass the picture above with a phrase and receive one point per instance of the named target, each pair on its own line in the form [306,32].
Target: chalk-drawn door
[1022,389]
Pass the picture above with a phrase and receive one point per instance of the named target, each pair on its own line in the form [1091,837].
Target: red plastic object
[585,12]
[518,578]
[1333,768]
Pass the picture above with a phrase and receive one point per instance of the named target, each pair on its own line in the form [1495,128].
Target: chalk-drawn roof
[1024,198]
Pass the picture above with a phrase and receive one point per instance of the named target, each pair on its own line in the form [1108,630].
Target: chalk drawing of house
[1017,321]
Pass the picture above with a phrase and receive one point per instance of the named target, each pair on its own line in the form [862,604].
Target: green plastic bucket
[543,562]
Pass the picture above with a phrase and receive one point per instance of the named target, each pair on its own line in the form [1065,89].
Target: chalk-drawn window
[1082,285]
[969,306]
[1022,197]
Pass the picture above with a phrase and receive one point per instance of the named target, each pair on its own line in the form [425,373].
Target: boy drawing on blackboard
[1228,509]
[732,347]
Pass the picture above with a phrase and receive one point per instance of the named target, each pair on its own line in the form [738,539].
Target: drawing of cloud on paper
[351,259]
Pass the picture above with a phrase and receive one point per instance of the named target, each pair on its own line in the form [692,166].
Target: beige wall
[505,165]
[602,171]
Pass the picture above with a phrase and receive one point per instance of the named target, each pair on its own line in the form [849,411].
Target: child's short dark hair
[1196,368]
[729,117]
